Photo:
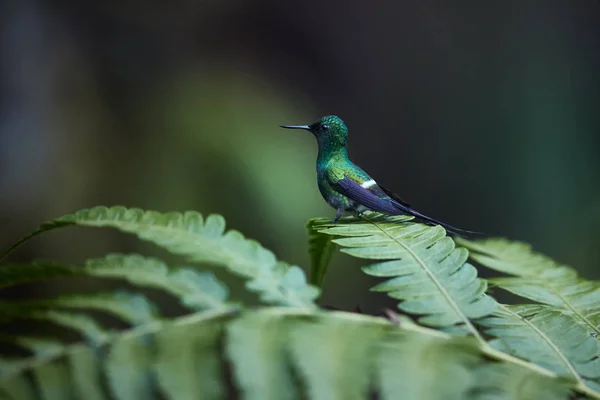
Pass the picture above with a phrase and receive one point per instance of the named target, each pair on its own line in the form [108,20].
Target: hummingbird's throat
[331,150]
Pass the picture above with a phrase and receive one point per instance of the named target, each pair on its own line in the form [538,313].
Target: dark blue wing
[363,196]
[390,206]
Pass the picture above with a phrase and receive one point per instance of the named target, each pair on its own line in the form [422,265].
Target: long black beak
[305,127]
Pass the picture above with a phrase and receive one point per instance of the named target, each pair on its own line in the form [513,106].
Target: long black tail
[449,228]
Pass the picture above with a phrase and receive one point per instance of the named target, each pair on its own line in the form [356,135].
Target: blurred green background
[482,115]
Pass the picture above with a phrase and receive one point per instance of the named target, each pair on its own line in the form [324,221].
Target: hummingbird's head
[327,129]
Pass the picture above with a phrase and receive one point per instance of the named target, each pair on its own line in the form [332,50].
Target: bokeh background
[483,115]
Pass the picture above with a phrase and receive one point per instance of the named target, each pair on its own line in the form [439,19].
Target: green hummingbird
[345,186]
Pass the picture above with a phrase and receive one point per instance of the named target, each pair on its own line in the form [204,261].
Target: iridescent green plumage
[344,185]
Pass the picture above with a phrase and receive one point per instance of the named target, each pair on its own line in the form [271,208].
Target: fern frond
[331,355]
[190,360]
[41,346]
[134,363]
[256,346]
[79,322]
[500,381]
[18,388]
[447,364]
[549,338]
[84,365]
[196,290]
[16,274]
[339,365]
[540,279]
[429,274]
[204,241]
[53,381]
[320,248]
[132,308]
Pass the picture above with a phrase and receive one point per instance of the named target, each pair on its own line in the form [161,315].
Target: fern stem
[12,248]
[436,282]
[501,356]
[580,387]
[577,313]
[498,355]
[236,265]
[547,340]
[583,389]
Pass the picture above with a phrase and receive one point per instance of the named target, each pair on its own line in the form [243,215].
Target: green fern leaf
[204,241]
[81,323]
[287,351]
[429,274]
[256,346]
[40,346]
[196,290]
[85,372]
[53,381]
[132,308]
[500,381]
[540,279]
[10,364]
[320,248]
[337,366]
[15,274]
[188,363]
[432,367]
[18,388]
[549,338]
[128,367]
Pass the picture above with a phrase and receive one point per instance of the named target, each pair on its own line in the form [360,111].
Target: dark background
[482,115]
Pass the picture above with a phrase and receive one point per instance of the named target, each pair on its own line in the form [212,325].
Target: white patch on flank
[368,184]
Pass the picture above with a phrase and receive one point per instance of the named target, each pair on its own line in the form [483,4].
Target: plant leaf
[500,381]
[320,248]
[277,353]
[53,381]
[132,308]
[203,241]
[338,365]
[256,346]
[431,367]
[429,274]
[15,274]
[196,290]
[548,338]
[85,372]
[540,279]
[79,322]
[40,346]
[188,361]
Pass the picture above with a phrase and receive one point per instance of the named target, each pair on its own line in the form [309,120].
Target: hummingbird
[348,188]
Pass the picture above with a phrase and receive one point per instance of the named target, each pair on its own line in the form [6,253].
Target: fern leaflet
[203,241]
[276,353]
[549,338]
[428,273]
[320,248]
[540,279]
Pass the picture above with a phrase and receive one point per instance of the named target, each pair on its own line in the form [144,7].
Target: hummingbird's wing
[385,204]
[365,197]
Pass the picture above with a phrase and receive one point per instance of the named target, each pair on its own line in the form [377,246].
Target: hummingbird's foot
[338,215]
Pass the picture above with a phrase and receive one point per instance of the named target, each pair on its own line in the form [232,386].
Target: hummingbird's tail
[449,228]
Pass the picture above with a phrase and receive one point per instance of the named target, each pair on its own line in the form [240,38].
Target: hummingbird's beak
[305,127]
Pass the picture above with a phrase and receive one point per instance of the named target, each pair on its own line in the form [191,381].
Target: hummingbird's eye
[324,127]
